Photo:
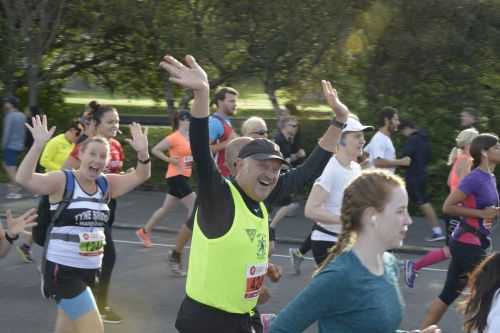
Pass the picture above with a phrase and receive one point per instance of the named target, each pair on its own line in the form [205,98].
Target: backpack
[44,222]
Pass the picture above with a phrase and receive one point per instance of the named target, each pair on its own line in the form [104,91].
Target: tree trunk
[169,96]
[270,90]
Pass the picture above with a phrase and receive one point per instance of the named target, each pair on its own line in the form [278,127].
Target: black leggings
[464,258]
[320,250]
[108,262]
[306,245]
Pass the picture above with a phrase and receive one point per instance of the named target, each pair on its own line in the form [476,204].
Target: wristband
[145,161]
[338,124]
[10,239]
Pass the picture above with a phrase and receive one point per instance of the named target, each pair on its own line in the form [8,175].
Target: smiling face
[257,178]
[109,124]
[391,224]
[93,157]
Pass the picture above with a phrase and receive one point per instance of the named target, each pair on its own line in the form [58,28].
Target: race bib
[92,243]
[188,161]
[255,279]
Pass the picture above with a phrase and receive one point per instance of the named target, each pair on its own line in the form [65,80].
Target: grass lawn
[250,103]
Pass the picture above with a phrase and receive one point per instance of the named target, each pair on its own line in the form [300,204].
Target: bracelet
[145,161]
[10,239]
[338,124]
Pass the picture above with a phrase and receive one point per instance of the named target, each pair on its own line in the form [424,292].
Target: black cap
[262,149]
[12,100]
[184,114]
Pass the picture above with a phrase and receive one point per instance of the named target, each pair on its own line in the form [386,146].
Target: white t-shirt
[334,179]
[493,321]
[381,147]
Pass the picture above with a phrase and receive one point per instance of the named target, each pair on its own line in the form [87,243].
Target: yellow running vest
[227,273]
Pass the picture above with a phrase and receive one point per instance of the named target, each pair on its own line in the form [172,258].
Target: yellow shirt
[55,153]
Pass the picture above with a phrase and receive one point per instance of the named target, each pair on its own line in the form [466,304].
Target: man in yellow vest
[229,250]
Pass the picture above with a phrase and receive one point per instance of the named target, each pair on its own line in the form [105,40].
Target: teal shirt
[345,297]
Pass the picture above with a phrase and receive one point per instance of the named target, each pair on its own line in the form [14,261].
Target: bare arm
[452,207]
[26,176]
[159,151]
[121,184]
[314,209]
[222,145]
[383,163]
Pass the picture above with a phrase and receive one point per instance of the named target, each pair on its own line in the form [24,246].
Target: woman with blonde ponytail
[356,287]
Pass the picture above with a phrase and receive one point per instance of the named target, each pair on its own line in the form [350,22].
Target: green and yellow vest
[227,273]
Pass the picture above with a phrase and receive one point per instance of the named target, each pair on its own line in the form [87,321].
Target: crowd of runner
[358,204]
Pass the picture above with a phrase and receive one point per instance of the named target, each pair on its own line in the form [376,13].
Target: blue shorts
[78,306]
[10,156]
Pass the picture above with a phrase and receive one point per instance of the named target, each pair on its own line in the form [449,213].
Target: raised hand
[17,225]
[39,130]
[139,139]
[191,76]
[332,98]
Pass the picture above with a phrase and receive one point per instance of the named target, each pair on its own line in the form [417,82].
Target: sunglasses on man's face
[185,118]
[263,132]
[293,125]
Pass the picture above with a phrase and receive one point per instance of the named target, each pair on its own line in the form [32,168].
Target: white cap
[353,125]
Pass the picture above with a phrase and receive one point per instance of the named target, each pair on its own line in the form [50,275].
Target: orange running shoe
[144,237]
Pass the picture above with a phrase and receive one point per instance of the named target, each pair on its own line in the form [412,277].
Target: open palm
[332,98]
[139,139]
[39,130]
[191,76]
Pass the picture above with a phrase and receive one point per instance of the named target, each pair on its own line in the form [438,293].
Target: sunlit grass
[249,102]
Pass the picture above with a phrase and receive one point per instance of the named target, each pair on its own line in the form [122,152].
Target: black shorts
[178,186]
[195,317]
[464,258]
[416,188]
[320,248]
[66,282]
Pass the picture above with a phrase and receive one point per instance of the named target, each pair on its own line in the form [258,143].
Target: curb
[405,249]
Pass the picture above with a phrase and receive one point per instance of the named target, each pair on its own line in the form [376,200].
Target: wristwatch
[10,239]
[338,124]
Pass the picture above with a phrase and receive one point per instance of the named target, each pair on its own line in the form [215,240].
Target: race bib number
[255,279]
[188,161]
[92,243]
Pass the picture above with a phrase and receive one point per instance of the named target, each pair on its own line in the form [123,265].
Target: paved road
[148,297]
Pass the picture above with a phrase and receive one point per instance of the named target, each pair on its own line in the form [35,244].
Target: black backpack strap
[69,188]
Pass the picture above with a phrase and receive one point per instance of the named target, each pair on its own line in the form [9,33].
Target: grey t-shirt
[14,131]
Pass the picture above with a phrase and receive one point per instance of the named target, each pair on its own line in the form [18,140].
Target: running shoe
[409,273]
[266,319]
[174,261]
[144,237]
[110,317]
[25,253]
[296,258]
[435,237]
[13,196]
